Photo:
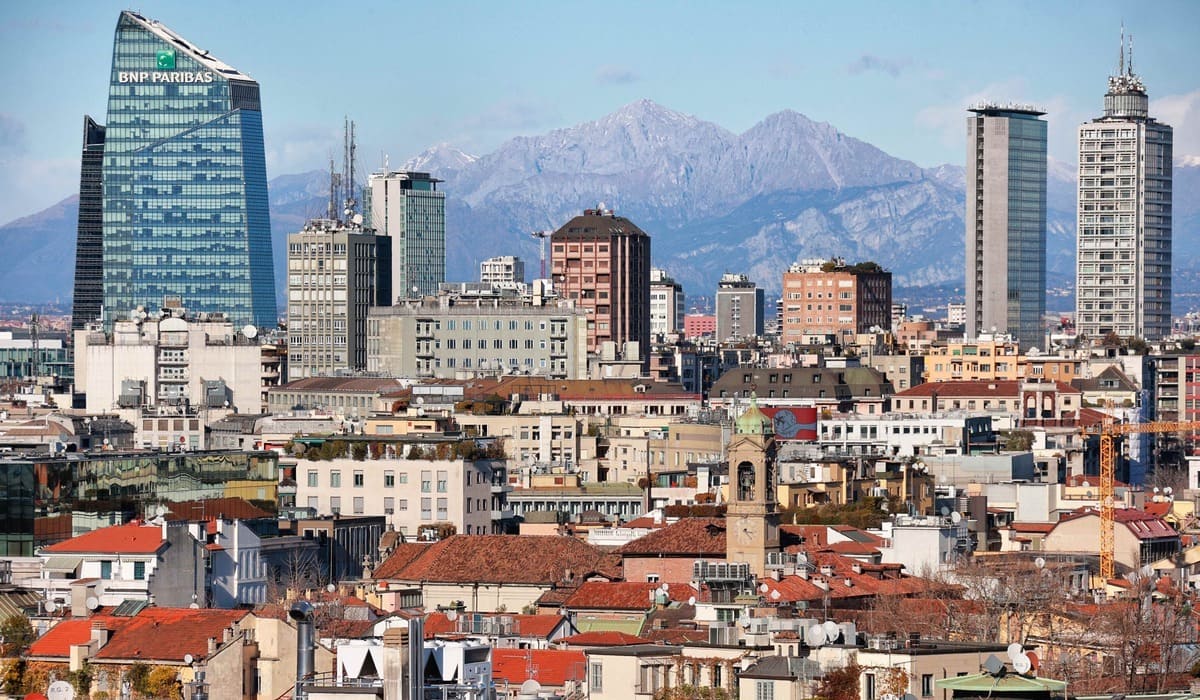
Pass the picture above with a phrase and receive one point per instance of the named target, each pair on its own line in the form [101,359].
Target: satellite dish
[194,606]
[331,588]
[993,665]
[691,600]
[956,517]
[1015,650]
[1022,664]
[50,606]
[358,219]
[1086,484]
[188,658]
[452,615]
[815,635]
[665,587]
[250,330]
[531,688]
[1168,490]
[764,588]
[160,510]
[831,630]
[93,602]
[1039,563]
[1155,489]
[945,511]
[775,595]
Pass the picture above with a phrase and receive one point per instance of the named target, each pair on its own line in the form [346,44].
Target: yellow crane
[1108,462]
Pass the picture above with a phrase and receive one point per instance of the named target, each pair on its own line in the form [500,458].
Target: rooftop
[131,538]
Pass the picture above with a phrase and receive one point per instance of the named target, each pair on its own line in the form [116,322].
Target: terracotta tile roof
[549,667]
[998,388]
[1158,509]
[229,508]
[360,385]
[1043,528]
[401,556]
[644,521]
[154,634]
[516,559]
[1092,480]
[570,390]
[852,548]
[1143,525]
[690,537]
[625,595]
[602,638]
[131,538]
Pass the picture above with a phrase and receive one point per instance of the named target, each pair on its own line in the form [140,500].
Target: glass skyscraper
[184,181]
[1006,222]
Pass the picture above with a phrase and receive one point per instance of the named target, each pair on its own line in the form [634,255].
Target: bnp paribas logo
[166,59]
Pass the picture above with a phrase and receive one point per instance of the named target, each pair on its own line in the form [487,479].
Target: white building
[666,303]
[335,273]
[170,362]
[506,271]
[408,492]
[924,544]
[1124,245]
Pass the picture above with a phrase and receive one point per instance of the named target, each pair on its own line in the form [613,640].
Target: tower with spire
[1124,257]
[752,516]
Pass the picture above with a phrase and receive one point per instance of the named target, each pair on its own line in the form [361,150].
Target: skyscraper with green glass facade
[184,181]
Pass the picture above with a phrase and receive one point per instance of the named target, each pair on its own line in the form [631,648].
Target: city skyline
[827,63]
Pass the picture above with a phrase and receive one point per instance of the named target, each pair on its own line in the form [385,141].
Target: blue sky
[896,74]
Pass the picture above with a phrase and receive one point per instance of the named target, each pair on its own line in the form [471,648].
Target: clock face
[746,529]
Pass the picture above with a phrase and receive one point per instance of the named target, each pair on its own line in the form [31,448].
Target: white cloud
[949,118]
[302,148]
[616,75]
[1181,112]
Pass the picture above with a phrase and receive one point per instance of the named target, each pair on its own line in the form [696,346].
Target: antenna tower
[349,148]
[36,360]
[542,235]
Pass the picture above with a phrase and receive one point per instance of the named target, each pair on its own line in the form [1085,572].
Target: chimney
[212,645]
[228,636]
[99,634]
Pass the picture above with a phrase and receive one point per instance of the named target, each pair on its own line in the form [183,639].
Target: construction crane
[1108,459]
[542,235]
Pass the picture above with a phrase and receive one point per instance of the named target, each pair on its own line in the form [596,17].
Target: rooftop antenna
[1121,55]
[1130,68]
[333,180]
[542,236]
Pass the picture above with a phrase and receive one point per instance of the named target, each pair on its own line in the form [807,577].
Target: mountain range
[713,201]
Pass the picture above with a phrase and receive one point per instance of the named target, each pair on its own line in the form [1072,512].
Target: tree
[16,634]
[1018,440]
[840,684]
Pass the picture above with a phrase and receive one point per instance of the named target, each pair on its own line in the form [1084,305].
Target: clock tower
[752,516]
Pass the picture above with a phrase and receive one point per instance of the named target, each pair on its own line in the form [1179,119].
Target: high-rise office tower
[185,181]
[666,303]
[602,262]
[408,207]
[1123,276]
[739,308]
[1006,222]
[336,273]
[89,237]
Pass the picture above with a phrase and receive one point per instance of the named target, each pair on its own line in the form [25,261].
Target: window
[442,481]
[426,509]
[358,479]
[596,677]
[358,505]
[389,505]
[442,507]
[312,479]
[927,685]
[870,686]
[106,569]
[389,478]
[139,571]
[403,504]
[403,478]
[335,479]
[764,690]
[426,481]
[335,504]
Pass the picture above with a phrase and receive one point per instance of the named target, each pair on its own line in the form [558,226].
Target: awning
[62,565]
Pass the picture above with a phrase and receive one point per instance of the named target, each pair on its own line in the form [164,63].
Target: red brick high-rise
[602,261]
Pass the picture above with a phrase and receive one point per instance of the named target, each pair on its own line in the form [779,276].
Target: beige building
[1139,538]
[637,671]
[410,493]
[170,363]
[482,333]
[666,303]
[335,273]
[987,357]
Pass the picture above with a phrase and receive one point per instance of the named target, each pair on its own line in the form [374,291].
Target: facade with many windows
[408,208]
[828,299]
[185,181]
[409,493]
[335,274]
[456,335]
[1123,279]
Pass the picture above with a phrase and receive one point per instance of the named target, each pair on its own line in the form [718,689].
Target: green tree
[17,634]
[359,451]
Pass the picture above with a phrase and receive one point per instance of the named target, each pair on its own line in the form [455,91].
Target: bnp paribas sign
[164,61]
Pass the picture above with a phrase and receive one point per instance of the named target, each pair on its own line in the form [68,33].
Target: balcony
[504,514]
